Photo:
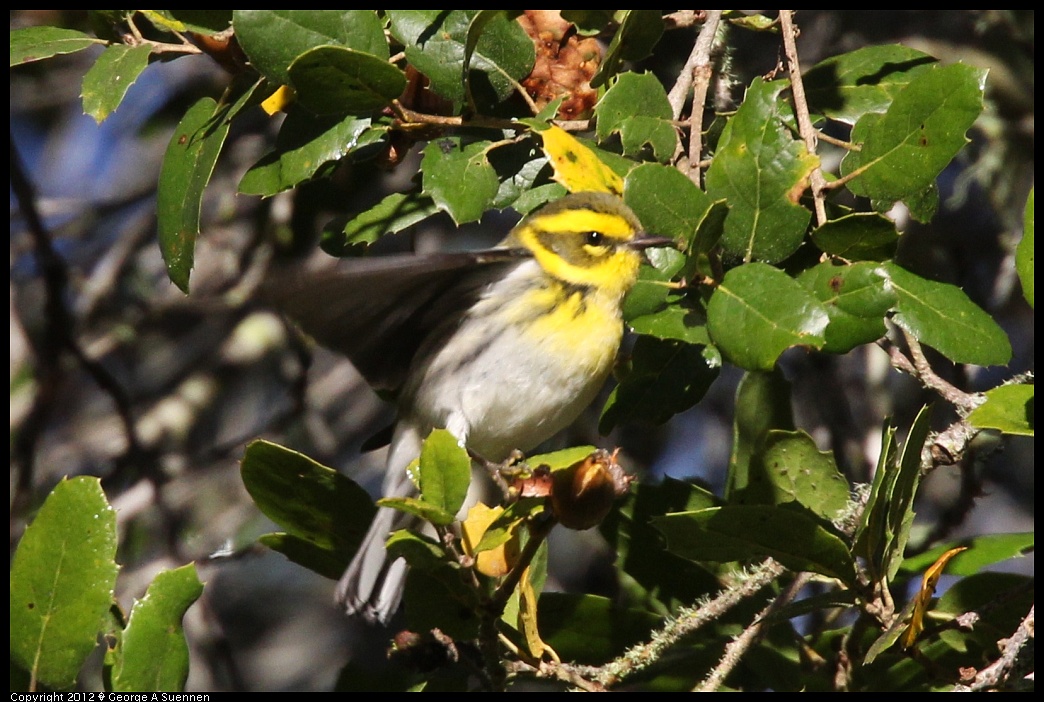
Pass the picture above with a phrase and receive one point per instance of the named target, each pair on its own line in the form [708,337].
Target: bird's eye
[594,238]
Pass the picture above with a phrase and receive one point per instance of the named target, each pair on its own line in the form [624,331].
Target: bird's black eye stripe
[594,238]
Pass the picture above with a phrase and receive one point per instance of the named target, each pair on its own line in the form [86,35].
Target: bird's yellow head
[586,240]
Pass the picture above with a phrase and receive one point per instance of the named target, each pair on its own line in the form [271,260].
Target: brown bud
[583,493]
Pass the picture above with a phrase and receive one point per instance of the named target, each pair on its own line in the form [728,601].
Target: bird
[503,347]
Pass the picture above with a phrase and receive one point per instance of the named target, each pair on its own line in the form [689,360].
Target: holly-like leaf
[943,317]
[314,503]
[860,236]
[274,39]
[637,108]
[759,311]
[1024,252]
[38,43]
[392,214]
[792,536]
[856,297]
[447,164]
[666,201]
[108,80]
[62,579]
[437,42]
[334,80]
[306,146]
[634,40]
[904,150]
[980,552]
[848,86]
[762,406]
[665,377]
[445,471]
[762,171]
[788,467]
[888,516]
[153,654]
[187,167]
[1008,408]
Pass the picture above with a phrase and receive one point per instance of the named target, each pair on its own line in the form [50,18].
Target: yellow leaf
[576,166]
[495,562]
[278,101]
[924,596]
[527,621]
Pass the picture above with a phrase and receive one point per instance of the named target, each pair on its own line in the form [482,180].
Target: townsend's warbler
[503,347]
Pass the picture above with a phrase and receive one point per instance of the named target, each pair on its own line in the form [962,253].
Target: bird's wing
[378,311]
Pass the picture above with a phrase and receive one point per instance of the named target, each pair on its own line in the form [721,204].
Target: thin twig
[751,635]
[834,141]
[158,47]
[808,133]
[696,74]
[930,379]
[689,619]
[1014,650]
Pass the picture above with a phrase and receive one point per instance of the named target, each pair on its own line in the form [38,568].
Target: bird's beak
[646,241]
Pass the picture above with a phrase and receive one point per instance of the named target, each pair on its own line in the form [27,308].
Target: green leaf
[556,460]
[305,145]
[274,39]
[591,629]
[654,577]
[392,214]
[983,551]
[666,201]
[665,377]
[1024,252]
[333,80]
[206,22]
[759,311]
[652,309]
[905,149]
[639,32]
[307,554]
[62,579]
[637,108]
[762,405]
[668,204]
[788,467]
[1003,599]
[866,80]
[187,167]
[889,513]
[153,655]
[436,42]
[762,170]
[312,502]
[37,43]
[1008,408]
[856,297]
[108,80]
[861,236]
[419,508]
[943,317]
[798,540]
[446,165]
[441,598]
[419,551]
[445,471]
